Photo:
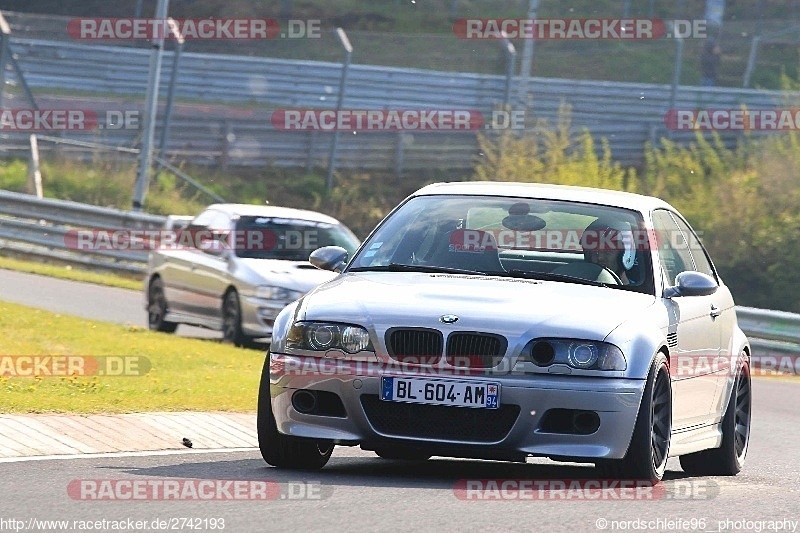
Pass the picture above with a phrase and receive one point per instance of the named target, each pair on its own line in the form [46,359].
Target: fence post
[400,154]
[312,140]
[227,135]
[527,58]
[676,75]
[23,82]
[348,49]
[173,79]
[5,38]
[511,54]
[151,101]
[34,174]
[751,60]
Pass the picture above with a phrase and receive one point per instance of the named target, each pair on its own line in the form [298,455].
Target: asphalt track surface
[85,300]
[358,491]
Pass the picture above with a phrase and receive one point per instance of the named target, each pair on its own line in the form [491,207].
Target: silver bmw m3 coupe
[506,320]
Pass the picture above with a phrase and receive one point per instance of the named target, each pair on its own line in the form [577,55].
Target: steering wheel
[614,275]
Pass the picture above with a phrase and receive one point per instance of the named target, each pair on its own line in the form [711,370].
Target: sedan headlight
[585,355]
[269,292]
[324,336]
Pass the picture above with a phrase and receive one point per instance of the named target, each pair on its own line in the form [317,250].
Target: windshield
[290,239]
[516,237]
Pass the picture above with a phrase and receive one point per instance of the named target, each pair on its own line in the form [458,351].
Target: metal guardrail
[39,227]
[246,90]
[773,333]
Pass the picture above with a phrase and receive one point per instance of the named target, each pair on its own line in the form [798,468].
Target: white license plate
[435,391]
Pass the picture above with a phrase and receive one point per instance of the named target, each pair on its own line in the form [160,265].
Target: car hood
[508,306]
[294,275]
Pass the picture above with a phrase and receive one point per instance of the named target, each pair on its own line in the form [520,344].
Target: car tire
[232,320]
[402,454]
[728,459]
[157,308]
[283,451]
[649,448]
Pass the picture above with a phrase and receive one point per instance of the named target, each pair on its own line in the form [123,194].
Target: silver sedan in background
[235,266]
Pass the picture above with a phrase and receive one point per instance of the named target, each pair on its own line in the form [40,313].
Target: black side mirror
[332,258]
[691,283]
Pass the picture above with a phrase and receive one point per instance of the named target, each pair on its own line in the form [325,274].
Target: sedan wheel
[157,308]
[232,320]
[728,459]
[283,451]
[649,447]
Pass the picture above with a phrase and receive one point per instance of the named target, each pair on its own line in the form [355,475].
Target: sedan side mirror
[332,258]
[691,283]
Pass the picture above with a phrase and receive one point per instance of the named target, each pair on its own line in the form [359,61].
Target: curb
[65,434]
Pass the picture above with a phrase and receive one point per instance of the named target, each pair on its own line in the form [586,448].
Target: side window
[204,218]
[701,262]
[673,251]
[220,222]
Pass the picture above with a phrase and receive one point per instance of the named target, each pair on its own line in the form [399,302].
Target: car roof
[627,200]
[253,210]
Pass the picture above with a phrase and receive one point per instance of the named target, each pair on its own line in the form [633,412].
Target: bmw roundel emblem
[448,319]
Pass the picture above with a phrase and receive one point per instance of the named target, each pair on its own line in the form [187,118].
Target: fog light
[543,353]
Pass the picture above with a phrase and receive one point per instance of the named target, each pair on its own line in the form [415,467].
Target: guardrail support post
[348,49]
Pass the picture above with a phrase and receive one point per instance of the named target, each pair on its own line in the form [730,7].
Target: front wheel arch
[652,429]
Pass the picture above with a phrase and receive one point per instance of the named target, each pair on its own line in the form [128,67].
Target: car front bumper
[258,315]
[372,423]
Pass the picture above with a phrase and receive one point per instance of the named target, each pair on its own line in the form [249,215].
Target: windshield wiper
[430,269]
[548,276]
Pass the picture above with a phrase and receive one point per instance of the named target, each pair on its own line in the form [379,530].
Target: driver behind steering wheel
[610,245]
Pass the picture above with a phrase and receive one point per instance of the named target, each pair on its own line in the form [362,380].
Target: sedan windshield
[289,239]
[551,240]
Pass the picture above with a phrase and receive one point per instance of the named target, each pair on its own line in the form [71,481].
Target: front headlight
[324,336]
[584,355]
[269,292]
